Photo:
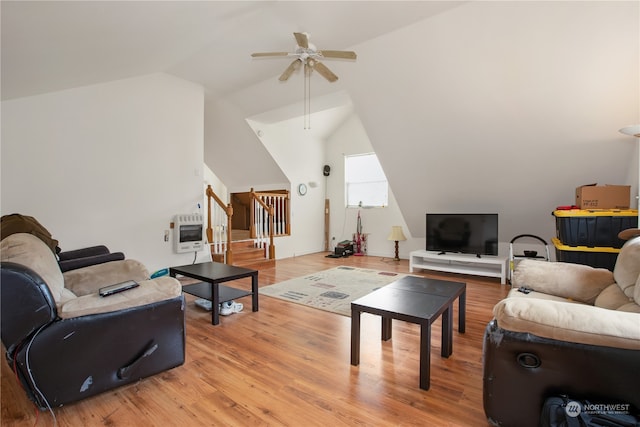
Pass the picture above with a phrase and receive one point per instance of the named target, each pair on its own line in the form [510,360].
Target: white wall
[502,107]
[301,159]
[351,138]
[107,164]
[489,107]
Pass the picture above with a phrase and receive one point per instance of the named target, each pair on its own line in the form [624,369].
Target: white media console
[486,265]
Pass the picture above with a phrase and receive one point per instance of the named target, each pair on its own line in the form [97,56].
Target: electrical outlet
[166,235]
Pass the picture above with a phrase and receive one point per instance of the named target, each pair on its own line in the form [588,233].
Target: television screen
[471,233]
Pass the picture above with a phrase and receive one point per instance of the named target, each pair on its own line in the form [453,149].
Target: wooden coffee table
[416,300]
[212,274]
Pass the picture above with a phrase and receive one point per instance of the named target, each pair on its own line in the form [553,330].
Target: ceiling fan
[307,54]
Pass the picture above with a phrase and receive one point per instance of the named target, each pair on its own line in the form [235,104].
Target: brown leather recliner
[65,342]
[565,329]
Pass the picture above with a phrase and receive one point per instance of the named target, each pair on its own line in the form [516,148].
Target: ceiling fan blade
[324,71]
[259,54]
[341,54]
[302,40]
[290,69]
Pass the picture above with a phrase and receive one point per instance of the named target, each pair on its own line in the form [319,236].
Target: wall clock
[302,189]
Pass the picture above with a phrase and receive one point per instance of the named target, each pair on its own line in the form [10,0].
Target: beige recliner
[564,329]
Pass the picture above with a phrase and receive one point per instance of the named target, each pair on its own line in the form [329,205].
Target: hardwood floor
[289,365]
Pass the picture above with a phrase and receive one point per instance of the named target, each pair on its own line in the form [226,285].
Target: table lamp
[396,235]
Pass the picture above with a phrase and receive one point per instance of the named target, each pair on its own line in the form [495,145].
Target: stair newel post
[209,228]
[229,251]
[272,248]
[252,215]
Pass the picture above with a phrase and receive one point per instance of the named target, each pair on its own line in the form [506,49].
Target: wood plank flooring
[288,365]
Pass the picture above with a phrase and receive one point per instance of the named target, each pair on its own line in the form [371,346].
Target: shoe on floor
[226,308]
[236,307]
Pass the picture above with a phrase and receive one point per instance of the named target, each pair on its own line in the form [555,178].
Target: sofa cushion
[30,251]
[149,291]
[573,281]
[88,280]
[627,268]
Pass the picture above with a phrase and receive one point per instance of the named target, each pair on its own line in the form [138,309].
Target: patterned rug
[331,290]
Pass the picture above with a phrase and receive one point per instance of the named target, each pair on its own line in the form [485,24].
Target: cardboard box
[593,196]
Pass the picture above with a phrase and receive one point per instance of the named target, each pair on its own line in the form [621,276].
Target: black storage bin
[598,257]
[594,228]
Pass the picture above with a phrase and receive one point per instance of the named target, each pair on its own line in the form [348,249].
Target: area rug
[331,290]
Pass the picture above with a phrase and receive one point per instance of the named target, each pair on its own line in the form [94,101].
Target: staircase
[247,256]
[269,216]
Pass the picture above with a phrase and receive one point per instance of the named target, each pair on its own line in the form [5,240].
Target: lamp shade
[633,130]
[396,233]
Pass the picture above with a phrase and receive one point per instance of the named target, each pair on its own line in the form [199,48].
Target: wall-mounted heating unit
[187,230]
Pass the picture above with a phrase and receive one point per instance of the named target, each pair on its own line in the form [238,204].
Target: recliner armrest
[84,252]
[75,263]
[26,304]
[565,321]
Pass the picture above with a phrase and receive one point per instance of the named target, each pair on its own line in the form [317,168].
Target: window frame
[375,181]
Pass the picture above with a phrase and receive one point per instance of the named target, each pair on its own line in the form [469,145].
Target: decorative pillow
[627,267]
[573,281]
[30,251]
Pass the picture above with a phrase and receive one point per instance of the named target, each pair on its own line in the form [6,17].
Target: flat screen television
[469,233]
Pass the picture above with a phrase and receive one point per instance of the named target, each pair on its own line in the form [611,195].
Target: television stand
[488,265]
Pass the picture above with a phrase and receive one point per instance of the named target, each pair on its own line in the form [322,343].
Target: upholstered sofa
[65,342]
[564,329]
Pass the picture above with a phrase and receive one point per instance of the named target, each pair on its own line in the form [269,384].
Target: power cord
[33,381]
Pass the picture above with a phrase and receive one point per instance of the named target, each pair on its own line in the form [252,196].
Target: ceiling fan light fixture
[306,53]
[633,130]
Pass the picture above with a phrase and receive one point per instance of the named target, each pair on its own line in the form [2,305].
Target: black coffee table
[416,300]
[212,274]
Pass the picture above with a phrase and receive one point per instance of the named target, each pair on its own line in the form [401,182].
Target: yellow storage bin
[599,257]
[594,228]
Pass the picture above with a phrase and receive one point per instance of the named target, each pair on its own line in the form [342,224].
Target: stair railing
[262,224]
[269,218]
[219,227]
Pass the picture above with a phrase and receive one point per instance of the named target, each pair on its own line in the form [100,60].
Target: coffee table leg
[425,356]
[254,290]
[215,304]
[447,332]
[462,308]
[386,328]
[355,337]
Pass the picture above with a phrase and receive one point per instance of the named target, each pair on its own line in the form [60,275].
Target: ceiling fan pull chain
[309,99]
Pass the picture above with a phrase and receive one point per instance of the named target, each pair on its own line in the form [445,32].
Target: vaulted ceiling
[54,45]
[476,105]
